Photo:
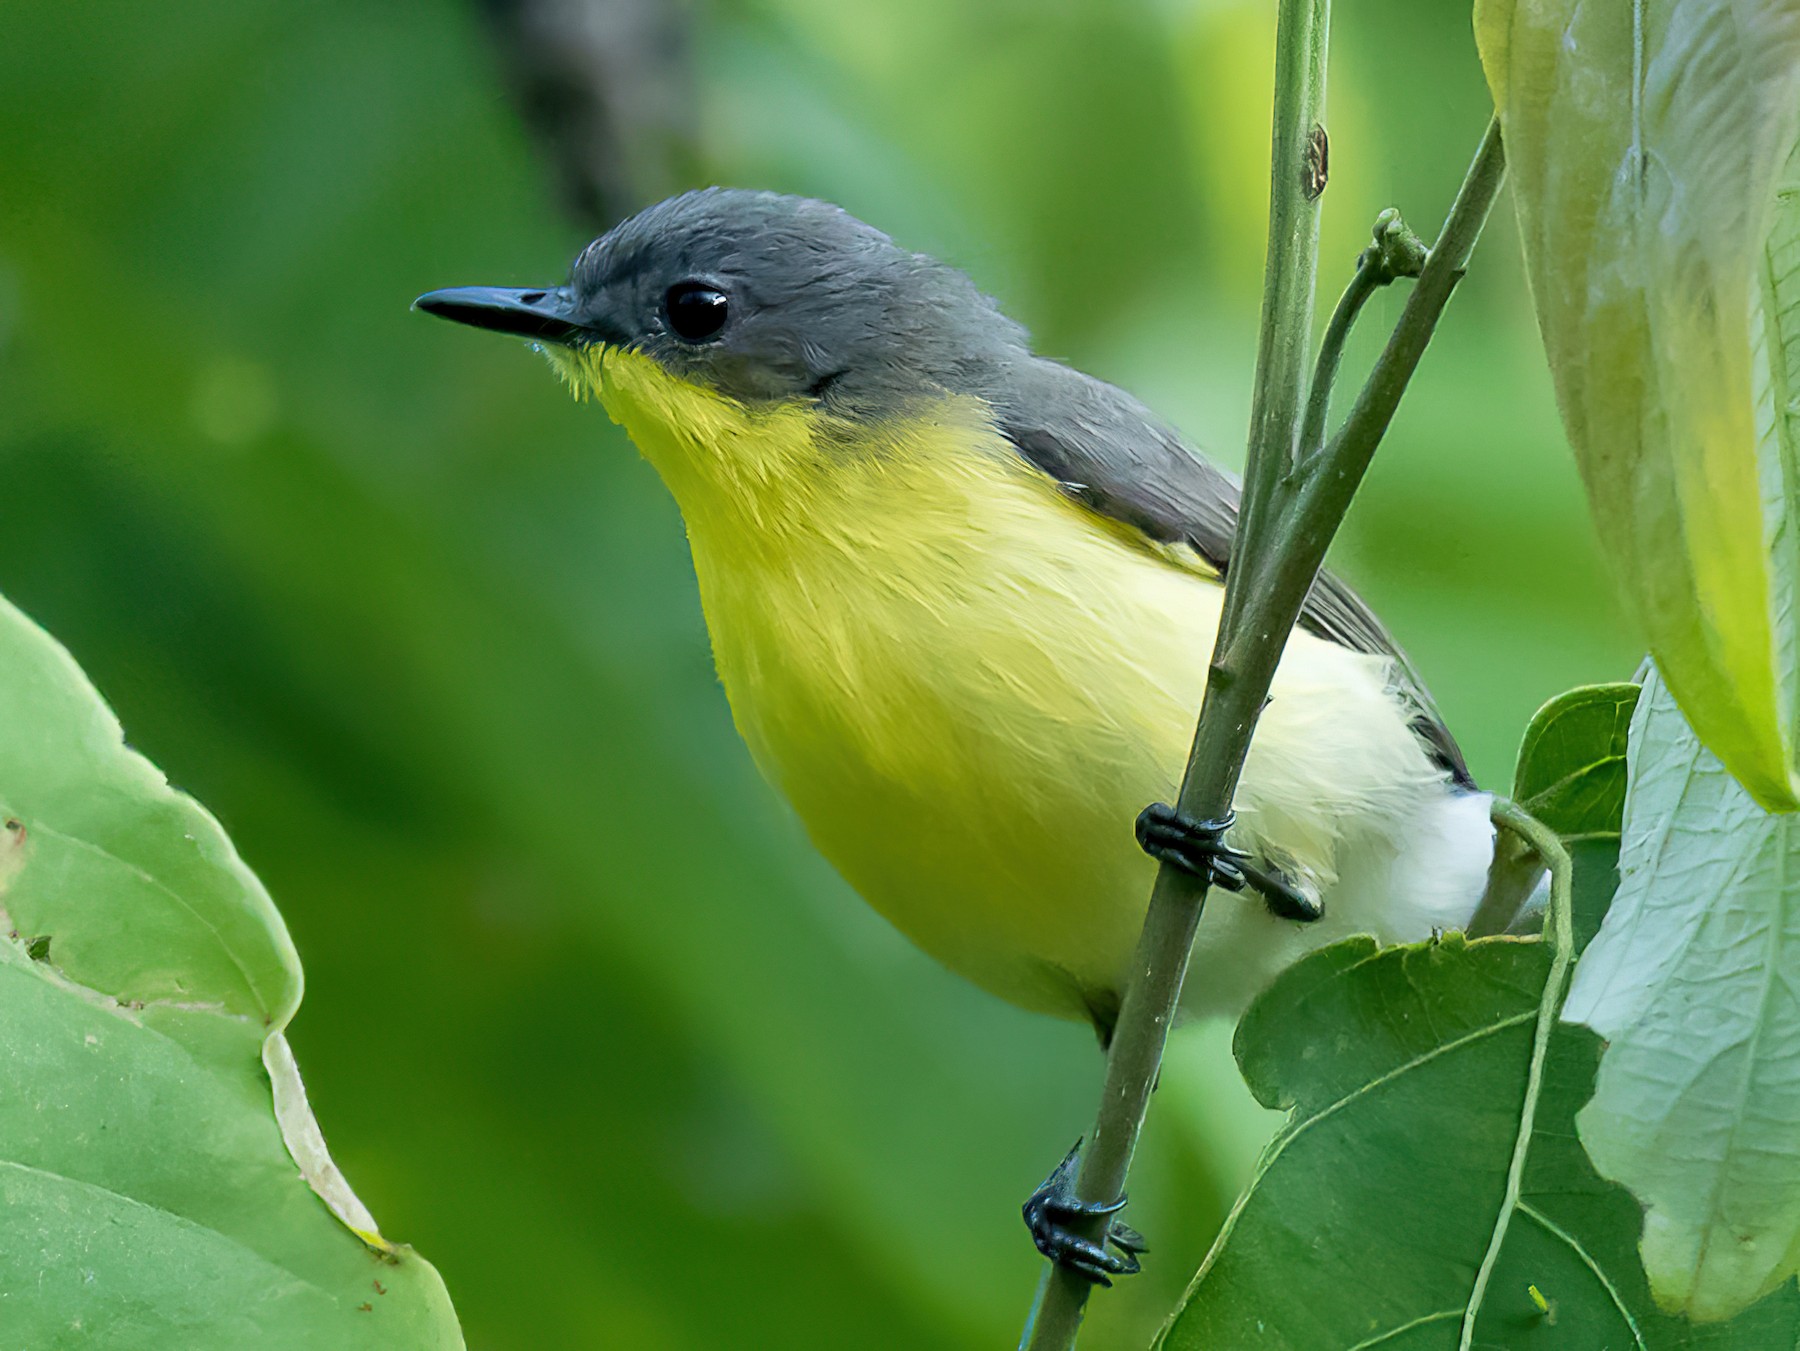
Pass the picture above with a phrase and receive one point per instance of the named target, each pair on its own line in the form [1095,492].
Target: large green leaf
[1695,983]
[1777,382]
[1428,1189]
[162,1178]
[1396,1208]
[1644,142]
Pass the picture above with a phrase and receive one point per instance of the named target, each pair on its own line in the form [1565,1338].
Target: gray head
[764,297]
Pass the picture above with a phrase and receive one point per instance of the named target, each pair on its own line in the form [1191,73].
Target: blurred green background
[587,1022]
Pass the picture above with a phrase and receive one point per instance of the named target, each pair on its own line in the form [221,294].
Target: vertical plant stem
[1298,159]
[1275,558]
[1233,699]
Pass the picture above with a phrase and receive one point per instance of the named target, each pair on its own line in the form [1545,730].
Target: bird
[962,600]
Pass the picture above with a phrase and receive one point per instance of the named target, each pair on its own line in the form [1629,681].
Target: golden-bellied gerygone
[962,600]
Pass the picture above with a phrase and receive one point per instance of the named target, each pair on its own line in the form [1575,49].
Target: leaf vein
[1554,1229]
[1423,1320]
[1362,1090]
[138,1203]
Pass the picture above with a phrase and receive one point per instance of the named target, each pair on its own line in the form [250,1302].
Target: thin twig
[1363,284]
[1289,520]
[1323,497]
[1311,507]
[1395,253]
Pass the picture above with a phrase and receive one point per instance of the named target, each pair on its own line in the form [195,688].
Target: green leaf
[1397,1208]
[1571,771]
[1694,981]
[1776,372]
[163,1180]
[1644,143]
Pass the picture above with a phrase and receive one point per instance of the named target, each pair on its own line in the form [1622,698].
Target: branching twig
[1320,500]
[1291,512]
[1395,253]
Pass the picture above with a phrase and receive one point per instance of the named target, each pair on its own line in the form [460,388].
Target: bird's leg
[1054,1205]
[1199,847]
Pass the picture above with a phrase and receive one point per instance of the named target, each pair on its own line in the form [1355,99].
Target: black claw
[1199,848]
[1054,1206]
[1286,901]
[1196,847]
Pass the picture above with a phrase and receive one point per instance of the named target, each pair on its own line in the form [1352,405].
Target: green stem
[1395,253]
[1309,514]
[1512,877]
[1284,336]
[1229,713]
[1362,285]
[1560,932]
[1287,523]
[1323,497]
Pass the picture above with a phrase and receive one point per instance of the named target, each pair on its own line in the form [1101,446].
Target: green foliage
[1644,143]
[1428,1190]
[1695,983]
[1571,772]
[1654,157]
[1371,1222]
[150,1196]
[1776,373]
[423,632]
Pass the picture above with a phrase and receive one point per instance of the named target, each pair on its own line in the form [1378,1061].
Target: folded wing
[1108,452]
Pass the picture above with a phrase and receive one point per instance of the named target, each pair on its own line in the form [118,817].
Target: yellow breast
[966,684]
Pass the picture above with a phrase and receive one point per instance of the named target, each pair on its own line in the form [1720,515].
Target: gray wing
[1107,451]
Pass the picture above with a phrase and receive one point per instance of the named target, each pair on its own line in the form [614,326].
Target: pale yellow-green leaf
[1645,142]
[1777,380]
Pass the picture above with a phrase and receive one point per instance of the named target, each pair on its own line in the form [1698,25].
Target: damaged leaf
[153,1194]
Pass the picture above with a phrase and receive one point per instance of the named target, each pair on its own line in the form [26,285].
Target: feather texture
[968,684]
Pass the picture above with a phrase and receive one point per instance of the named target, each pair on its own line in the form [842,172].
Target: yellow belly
[968,686]
[965,738]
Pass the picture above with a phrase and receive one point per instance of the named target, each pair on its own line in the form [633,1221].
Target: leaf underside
[1644,144]
[1694,980]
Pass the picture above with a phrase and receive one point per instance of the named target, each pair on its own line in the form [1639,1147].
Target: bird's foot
[1199,848]
[1053,1207]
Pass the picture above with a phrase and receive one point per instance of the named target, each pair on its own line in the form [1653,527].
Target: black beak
[545,315]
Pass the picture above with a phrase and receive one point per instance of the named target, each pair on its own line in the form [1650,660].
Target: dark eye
[696,310]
